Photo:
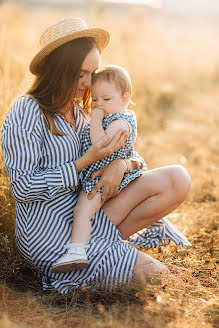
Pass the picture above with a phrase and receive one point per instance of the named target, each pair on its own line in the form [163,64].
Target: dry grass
[175,72]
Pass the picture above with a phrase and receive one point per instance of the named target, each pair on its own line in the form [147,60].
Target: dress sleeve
[129,124]
[29,182]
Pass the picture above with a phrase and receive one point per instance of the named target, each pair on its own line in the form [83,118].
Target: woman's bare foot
[148,269]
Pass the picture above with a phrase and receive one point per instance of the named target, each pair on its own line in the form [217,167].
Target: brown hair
[116,74]
[56,82]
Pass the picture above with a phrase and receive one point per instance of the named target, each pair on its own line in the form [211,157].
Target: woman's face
[89,66]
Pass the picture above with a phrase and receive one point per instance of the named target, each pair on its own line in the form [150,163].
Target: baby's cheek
[107,110]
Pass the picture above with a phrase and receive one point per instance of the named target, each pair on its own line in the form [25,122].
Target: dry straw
[64,31]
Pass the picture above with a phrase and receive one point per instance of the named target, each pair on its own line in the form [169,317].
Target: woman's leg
[148,198]
[143,202]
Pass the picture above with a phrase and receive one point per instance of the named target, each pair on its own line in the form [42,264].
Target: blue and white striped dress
[45,184]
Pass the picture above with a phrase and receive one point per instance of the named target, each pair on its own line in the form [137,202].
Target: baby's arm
[96,128]
[115,126]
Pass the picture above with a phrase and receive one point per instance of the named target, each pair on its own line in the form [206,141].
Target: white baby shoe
[74,259]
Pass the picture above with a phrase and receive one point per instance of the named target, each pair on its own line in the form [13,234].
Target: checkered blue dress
[45,184]
[127,151]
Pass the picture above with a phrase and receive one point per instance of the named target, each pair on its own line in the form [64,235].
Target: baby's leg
[76,258]
[83,212]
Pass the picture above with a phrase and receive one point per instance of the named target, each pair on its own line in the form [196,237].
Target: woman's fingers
[96,174]
[112,193]
[103,142]
[115,192]
[107,191]
[95,190]
[105,194]
[117,142]
[122,140]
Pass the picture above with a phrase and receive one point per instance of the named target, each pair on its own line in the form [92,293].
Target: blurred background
[192,7]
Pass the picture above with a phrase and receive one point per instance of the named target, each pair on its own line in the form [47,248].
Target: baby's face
[107,96]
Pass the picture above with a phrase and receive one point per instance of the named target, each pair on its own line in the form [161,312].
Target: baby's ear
[125,98]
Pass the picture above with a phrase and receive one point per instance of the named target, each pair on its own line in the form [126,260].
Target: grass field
[175,71]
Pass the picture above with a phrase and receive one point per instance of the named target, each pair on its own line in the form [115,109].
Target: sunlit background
[175,7]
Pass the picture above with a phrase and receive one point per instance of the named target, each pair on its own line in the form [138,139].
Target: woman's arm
[101,149]
[29,182]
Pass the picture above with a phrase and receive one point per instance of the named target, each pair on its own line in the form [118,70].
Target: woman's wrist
[83,161]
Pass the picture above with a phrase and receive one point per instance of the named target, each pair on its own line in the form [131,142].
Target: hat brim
[101,37]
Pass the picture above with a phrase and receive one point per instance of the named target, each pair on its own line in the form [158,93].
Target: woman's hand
[111,177]
[106,147]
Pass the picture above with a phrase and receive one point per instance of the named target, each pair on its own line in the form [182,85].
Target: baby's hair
[116,74]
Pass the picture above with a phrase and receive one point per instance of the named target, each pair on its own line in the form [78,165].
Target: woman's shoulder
[24,113]
[24,110]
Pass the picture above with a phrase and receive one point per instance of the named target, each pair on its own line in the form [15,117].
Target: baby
[111,93]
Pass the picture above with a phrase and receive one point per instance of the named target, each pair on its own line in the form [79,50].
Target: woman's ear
[125,98]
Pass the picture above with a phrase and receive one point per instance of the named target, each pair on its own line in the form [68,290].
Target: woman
[41,148]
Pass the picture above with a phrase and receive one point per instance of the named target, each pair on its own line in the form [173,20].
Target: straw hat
[63,31]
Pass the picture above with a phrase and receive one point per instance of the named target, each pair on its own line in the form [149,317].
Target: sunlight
[151,3]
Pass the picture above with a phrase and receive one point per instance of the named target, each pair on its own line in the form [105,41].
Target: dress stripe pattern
[45,184]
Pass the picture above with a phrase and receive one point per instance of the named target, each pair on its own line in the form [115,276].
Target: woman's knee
[180,181]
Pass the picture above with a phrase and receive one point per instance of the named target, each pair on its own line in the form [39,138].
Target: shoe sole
[70,266]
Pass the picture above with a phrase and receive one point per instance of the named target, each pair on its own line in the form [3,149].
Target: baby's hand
[97,113]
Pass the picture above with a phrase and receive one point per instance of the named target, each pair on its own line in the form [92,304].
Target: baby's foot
[74,259]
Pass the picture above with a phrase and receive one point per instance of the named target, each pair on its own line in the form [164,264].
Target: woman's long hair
[56,82]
